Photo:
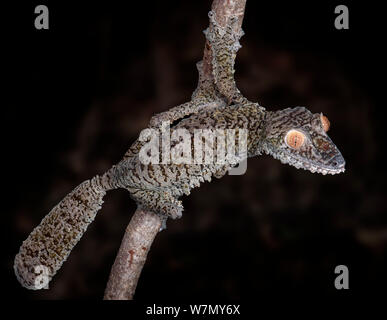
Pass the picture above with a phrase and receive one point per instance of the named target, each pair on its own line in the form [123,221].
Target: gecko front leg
[204,97]
[184,110]
[224,43]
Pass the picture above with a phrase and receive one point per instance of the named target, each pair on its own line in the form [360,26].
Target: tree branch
[145,225]
[132,254]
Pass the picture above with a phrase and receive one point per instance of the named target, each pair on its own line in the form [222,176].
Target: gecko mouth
[335,165]
[323,170]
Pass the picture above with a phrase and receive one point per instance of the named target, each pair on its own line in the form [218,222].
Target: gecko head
[298,137]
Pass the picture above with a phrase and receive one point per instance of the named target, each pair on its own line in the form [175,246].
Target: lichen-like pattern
[224,46]
[50,243]
[293,135]
[157,187]
[317,153]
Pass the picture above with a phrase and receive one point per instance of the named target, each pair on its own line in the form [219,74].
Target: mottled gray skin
[158,187]
[317,154]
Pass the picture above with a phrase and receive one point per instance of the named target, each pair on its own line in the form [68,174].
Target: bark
[131,256]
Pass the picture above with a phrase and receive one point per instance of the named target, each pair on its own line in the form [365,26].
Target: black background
[80,93]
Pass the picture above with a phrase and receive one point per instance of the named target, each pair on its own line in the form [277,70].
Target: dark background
[81,92]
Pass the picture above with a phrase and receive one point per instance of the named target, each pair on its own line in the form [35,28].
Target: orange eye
[325,122]
[295,139]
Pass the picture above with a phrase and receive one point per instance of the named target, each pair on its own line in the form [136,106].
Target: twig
[144,226]
[132,254]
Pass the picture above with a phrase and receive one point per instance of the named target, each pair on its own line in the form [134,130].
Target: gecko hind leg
[160,202]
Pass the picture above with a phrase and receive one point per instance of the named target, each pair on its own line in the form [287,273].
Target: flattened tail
[42,254]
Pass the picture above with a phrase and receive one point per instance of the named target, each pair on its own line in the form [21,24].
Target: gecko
[295,136]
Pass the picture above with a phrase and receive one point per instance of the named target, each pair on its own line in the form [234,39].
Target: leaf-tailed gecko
[294,136]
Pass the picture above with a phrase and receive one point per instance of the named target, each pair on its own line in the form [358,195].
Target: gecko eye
[295,139]
[325,122]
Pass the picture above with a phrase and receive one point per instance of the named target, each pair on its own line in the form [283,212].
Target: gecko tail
[42,254]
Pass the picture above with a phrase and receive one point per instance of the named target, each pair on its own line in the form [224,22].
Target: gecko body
[157,187]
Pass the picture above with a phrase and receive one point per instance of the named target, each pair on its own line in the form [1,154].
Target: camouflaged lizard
[294,136]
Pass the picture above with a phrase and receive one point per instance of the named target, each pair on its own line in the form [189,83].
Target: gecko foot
[160,202]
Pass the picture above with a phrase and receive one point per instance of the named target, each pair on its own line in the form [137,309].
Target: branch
[224,10]
[132,254]
[145,225]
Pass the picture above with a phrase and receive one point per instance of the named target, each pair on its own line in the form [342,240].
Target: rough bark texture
[132,254]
